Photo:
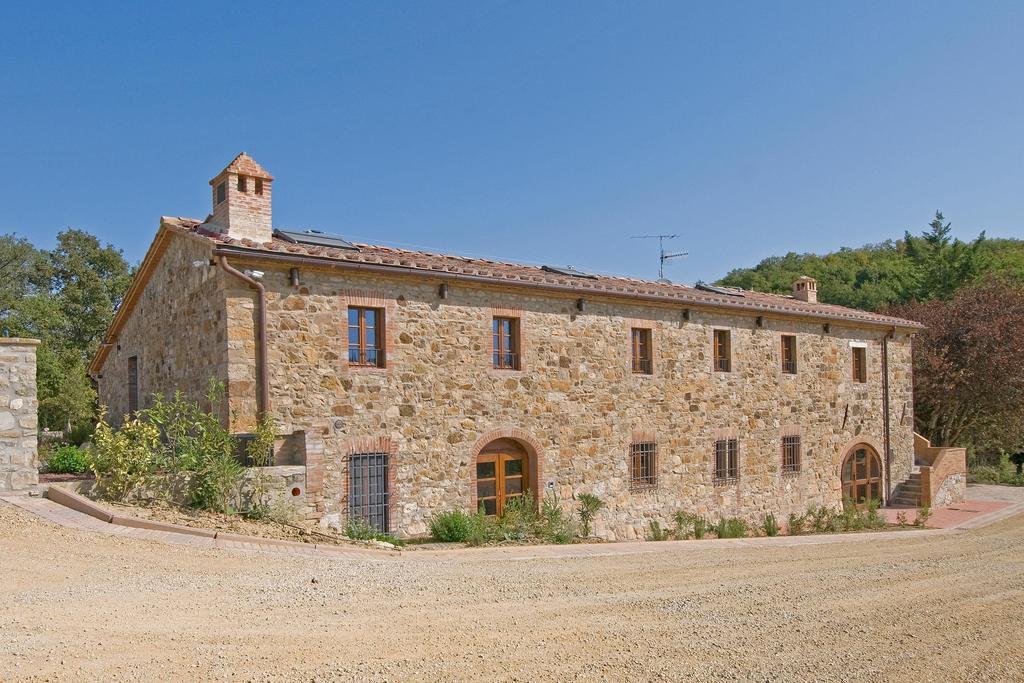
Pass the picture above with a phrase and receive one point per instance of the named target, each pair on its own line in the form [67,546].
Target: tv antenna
[663,256]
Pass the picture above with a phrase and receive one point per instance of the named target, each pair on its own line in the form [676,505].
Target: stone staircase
[908,492]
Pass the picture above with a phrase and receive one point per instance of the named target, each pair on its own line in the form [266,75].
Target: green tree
[933,265]
[943,264]
[66,298]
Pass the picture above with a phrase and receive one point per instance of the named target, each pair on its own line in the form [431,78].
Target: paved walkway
[986,505]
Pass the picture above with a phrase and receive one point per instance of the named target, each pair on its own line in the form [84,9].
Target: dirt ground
[81,606]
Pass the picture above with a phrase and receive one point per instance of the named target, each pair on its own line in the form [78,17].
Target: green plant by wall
[452,526]
[770,525]
[655,532]
[358,529]
[588,507]
[924,513]
[731,527]
[686,524]
[124,460]
[796,524]
[67,460]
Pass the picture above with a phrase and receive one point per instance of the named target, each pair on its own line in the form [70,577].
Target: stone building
[408,383]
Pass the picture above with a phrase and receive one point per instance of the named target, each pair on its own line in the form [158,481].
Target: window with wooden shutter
[860,364]
[722,349]
[643,357]
[789,354]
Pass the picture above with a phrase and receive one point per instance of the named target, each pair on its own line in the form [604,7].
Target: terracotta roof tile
[245,165]
[755,302]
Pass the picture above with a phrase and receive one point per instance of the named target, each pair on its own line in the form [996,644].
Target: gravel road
[81,606]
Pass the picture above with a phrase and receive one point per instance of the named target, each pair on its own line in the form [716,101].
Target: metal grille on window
[727,461]
[643,464]
[790,454]
[368,489]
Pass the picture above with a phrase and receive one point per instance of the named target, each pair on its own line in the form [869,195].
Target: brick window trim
[368,299]
[520,339]
[361,445]
[533,450]
[641,324]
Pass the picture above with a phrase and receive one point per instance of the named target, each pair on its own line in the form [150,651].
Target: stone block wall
[575,398]
[19,422]
[177,331]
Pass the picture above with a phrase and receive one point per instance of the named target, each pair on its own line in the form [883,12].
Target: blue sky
[544,132]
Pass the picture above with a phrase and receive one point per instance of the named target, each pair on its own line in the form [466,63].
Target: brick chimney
[806,289]
[241,201]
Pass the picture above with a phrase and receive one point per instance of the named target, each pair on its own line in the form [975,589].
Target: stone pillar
[19,422]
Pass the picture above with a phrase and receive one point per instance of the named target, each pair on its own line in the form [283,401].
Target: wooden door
[501,476]
[862,476]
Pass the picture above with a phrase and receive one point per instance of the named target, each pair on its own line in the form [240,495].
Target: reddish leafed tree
[969,367]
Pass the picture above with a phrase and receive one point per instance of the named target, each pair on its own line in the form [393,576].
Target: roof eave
[745,307]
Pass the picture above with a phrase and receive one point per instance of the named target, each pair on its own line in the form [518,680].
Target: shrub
[682,525]
[731,527]
[924,513]
[554,525]
[797,524]
[687,524]
[451,526]
[901,518]
[770,525]
[482,529]
[123,460]
[67,460]
[589,505]
[655,531]
[822,519]
[519,520]
[700,527]
[358,529]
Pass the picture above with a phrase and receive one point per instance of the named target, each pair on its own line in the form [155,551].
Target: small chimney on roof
[241,201]
[806,289]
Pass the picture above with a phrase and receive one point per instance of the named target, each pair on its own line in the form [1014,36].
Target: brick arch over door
[529,444]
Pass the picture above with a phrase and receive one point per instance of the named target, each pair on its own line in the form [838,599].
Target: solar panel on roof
[718,290]
[568,270]
[314,237]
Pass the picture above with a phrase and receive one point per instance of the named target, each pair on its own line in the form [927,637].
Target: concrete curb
[78,503]
[137,523]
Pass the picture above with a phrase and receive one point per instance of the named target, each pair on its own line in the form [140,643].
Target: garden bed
[303,532]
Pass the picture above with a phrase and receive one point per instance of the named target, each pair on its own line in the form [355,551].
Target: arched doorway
[862,475]
[502,475]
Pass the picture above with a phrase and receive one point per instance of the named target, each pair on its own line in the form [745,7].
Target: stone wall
[19,422]
[177,331]
[575,402]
